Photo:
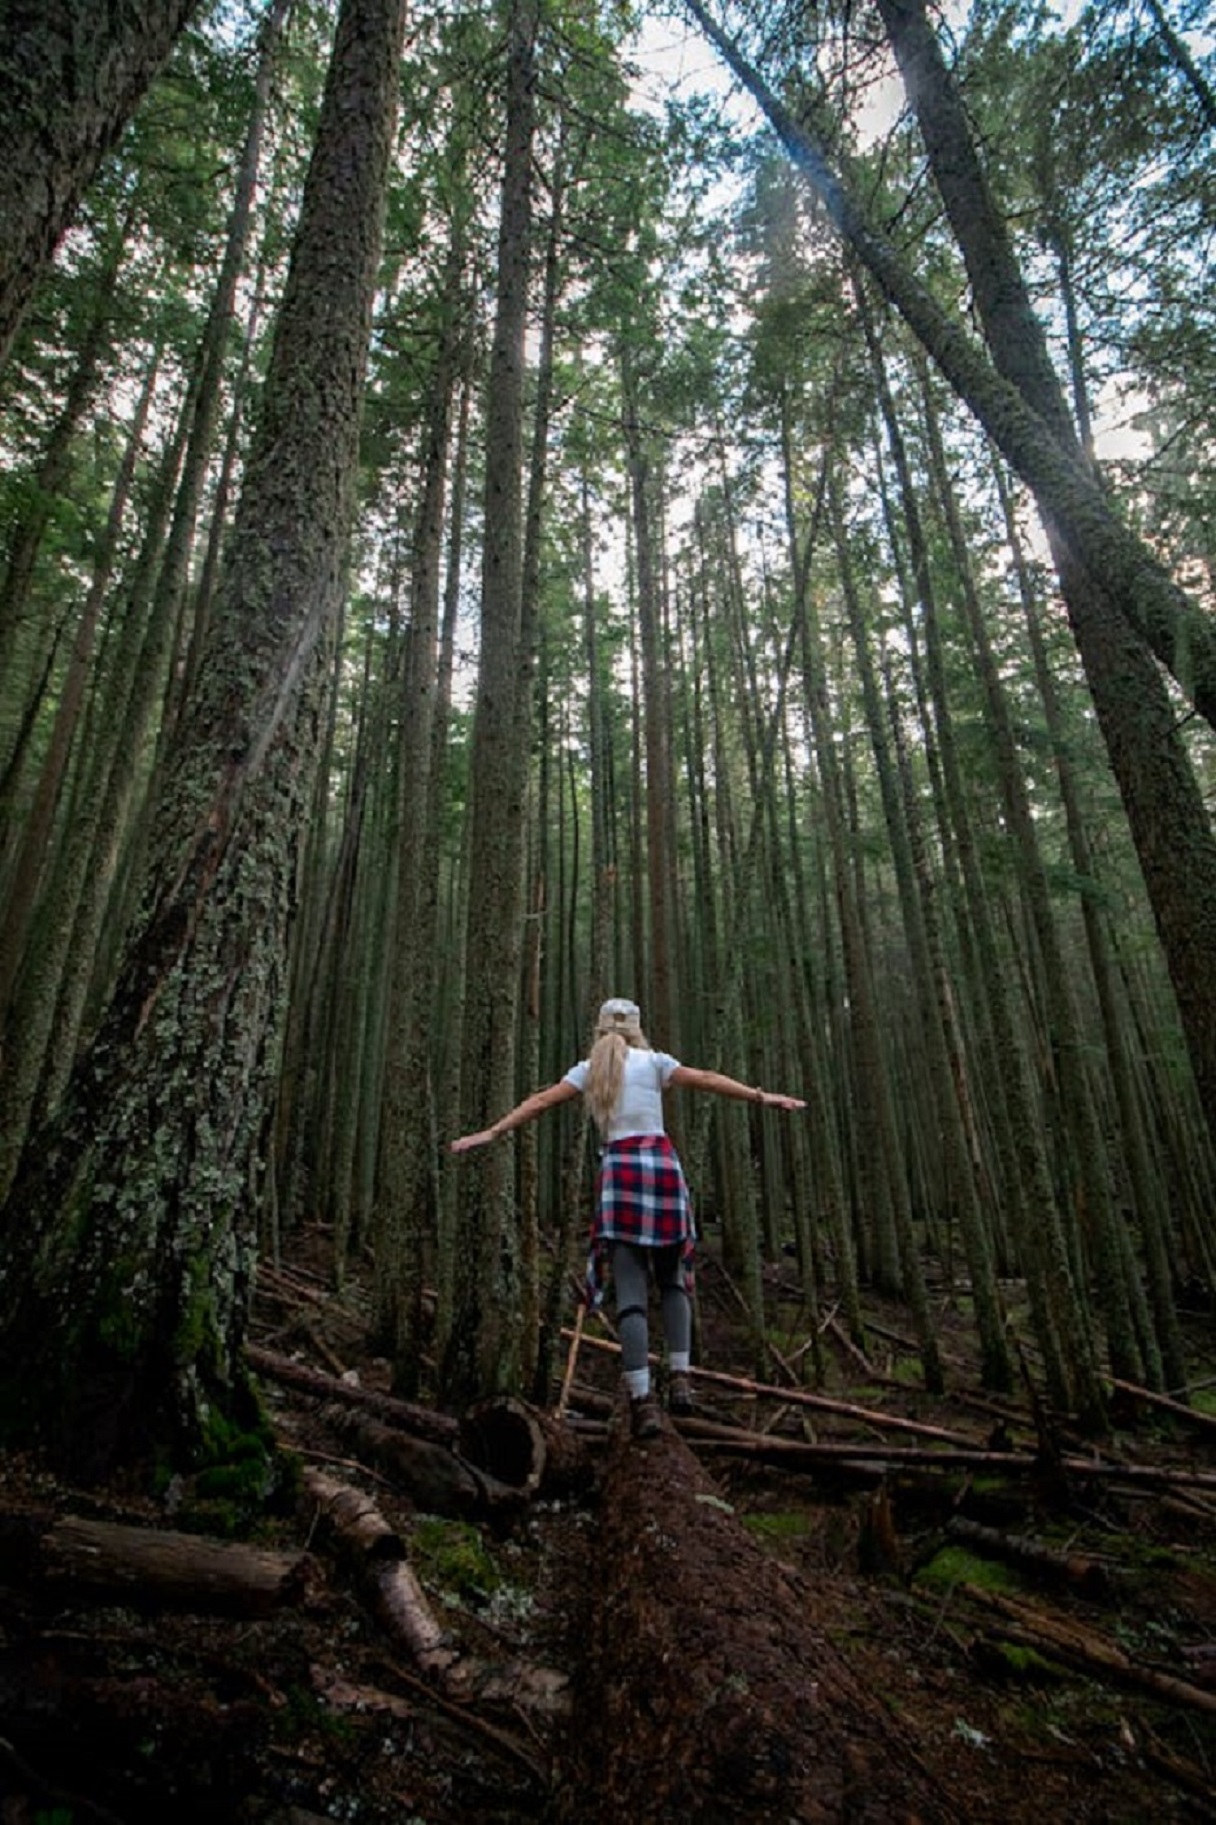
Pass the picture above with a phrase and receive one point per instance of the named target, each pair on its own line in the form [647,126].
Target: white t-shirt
[639,1108]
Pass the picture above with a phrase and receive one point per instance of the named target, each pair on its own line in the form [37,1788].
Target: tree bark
[132,1228]
[479,1278]
[71,75]
[152,1567]
[676,1713]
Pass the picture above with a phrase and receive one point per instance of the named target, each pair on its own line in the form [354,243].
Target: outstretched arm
[689,1078]
[527,1111]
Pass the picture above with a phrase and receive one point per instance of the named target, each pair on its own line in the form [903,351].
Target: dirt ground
[670,1630]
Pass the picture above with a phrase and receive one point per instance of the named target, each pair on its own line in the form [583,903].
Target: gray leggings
[631,1283]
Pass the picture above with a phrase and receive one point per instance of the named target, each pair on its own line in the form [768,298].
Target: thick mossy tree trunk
[130,1233]
[71,76]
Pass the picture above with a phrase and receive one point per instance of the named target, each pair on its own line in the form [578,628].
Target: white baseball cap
[620,1013]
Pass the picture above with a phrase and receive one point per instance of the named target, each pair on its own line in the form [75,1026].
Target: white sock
[680,1362]
[638,1383]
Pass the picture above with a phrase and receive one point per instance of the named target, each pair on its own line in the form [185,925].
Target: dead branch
[1193,1416]
[342,1695]
[804,1397]
[409,1415]
[1084,1648]
[874,1461]
[837,1330]
[1076,1569]
[378,1554]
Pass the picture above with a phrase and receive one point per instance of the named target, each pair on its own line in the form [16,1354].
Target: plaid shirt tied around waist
[641,1197]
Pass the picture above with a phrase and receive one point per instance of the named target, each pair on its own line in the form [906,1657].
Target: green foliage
[1024,1666]
[776,1527]
[952,1565]
[453,1555]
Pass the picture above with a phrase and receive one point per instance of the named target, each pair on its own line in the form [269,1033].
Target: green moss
[953,1565]
[1025,1665]
[305,1715]
[1204,1400]
[453,1555]
[117,1323]
[778,1526]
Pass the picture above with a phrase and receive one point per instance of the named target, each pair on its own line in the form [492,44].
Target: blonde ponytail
[605,1075]
[619,1026]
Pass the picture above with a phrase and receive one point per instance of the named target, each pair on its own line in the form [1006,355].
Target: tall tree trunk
[480,1266]
[659,787]
[406,1218]
[898,1261]
[212,359]
[1055,1298]
[44,1017]
[71,75]
[1148,1193]
[131,1232]
[1084,1157]
[948,1068]
[35,842]
[55,463]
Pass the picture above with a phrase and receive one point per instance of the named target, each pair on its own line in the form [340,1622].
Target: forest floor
[988,1641]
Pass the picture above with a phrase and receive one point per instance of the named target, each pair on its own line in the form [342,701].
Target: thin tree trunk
[55,463]
[947,1065]
[1059,1322]
[39,819]
[480,1267]
[659,787]
[1085,1162]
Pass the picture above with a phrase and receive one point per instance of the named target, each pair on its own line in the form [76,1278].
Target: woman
[643,1214]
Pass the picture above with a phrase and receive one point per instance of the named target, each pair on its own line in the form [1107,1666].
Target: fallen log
[705,1690]
[433,1476]
[153,1568]
[1191,1416]
[1085,1649]
[871,1461]
[377,1552]
[378,1555]
[409,1415]
[523,1449]
[1084,1574]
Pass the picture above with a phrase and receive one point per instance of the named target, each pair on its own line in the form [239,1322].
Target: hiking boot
[680,1402]
[644,1420]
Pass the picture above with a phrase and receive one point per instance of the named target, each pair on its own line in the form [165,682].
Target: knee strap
[627,1311]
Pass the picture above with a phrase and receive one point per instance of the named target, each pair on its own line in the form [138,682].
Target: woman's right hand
[467,1142]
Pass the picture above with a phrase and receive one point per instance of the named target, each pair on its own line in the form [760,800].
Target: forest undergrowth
[1014,1622]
